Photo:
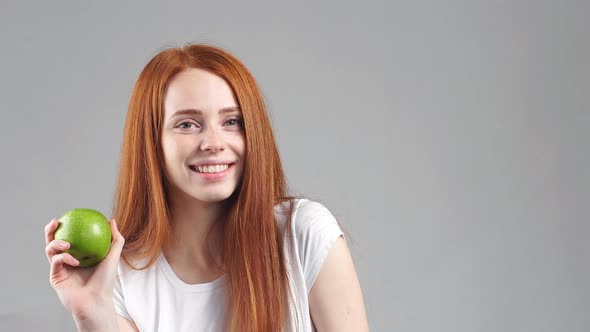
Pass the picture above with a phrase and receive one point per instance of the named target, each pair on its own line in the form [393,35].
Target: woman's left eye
[237,121]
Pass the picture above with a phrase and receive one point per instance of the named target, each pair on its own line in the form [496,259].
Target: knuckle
[56,259]
[49,226]
[50,247]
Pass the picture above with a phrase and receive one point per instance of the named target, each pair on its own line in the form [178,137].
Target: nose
[212,141]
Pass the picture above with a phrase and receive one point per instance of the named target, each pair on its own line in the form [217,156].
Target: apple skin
[89,234]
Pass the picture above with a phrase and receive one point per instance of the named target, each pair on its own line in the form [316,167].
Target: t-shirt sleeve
[119,298]
[316,230]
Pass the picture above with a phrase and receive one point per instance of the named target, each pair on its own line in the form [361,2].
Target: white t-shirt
[157,300]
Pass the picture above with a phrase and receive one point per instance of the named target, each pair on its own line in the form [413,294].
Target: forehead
[200,89]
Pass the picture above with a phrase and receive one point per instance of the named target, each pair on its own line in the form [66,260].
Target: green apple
[89,234]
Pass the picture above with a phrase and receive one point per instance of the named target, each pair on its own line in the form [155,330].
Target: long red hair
[253,244]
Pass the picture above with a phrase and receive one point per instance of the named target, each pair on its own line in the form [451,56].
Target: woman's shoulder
[307,216]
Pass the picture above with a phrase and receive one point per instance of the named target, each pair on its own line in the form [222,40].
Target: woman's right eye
[181,125]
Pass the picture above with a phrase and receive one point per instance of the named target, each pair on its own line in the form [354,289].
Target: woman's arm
[336,299]
[126,325]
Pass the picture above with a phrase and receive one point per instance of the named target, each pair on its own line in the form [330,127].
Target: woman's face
[202,134]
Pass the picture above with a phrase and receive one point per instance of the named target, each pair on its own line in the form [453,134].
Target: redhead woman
[205,236]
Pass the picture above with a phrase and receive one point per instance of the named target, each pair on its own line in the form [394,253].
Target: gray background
[449,137]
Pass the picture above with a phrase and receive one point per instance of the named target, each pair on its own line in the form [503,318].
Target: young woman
[208,239]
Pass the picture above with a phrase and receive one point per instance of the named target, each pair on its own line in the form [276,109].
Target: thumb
[117,242]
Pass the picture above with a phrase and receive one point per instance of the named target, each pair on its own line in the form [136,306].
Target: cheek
[167,148]
[240,146]
[173,150]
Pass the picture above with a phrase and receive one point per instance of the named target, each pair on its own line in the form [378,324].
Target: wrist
[96,317]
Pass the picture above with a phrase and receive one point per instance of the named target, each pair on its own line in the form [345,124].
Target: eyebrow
[199,112]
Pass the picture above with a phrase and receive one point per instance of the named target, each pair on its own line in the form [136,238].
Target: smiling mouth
[196,169]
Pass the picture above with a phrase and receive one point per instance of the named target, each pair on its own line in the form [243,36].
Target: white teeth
[212,169]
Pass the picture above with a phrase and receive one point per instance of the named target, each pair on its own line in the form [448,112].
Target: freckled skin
[89,234]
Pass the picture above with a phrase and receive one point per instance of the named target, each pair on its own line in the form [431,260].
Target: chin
[211,197]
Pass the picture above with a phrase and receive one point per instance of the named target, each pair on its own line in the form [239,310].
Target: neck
[192,223]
